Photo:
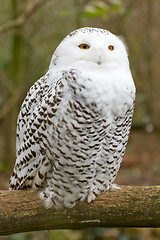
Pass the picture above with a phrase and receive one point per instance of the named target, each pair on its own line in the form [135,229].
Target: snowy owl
[74,123]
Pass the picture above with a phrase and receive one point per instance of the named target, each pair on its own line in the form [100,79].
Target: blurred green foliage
[26,50]
[102,9]
[90,234]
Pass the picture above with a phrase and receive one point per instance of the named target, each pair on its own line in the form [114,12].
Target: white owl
[74,123]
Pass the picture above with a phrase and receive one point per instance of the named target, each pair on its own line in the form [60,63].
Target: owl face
[91,48]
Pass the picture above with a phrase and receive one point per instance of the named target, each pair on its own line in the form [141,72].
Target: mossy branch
[22,211]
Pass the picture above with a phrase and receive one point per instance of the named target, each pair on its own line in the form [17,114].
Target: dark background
[30,30]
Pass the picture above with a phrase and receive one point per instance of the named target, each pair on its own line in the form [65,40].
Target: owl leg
[47,195]
[46,198]
[41,174]
[50,200]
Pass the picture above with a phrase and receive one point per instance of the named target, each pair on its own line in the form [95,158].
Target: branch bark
[31,7]
[22,211]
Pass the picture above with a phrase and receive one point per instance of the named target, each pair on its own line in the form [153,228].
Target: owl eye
[111,47]
[84,46]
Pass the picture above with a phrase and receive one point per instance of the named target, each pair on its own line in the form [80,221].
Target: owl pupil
[111,48]
[84,46]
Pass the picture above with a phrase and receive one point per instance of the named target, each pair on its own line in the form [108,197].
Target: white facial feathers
[105,50]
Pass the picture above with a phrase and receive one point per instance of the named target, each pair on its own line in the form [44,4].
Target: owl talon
[114,187]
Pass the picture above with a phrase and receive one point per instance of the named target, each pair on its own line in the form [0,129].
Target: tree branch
[22,211]
[31,7]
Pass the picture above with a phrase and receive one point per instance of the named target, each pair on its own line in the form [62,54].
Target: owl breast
[86,140]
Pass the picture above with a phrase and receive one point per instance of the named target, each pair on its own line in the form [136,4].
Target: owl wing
[122,130]
[33,98]
[117,139]
[38,108]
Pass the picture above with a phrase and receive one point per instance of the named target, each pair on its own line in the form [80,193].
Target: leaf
[101,9]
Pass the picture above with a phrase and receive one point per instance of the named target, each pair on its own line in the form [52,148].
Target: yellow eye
[84,46]
[111,48]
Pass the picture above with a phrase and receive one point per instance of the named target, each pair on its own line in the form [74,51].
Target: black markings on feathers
[78,143]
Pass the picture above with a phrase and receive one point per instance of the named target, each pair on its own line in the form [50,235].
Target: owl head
[90,48]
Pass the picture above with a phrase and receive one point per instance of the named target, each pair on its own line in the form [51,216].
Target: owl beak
[99,60]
